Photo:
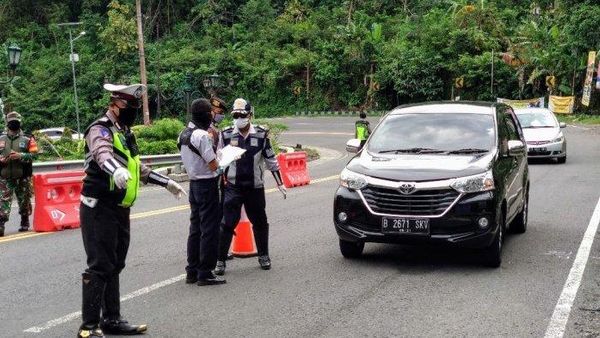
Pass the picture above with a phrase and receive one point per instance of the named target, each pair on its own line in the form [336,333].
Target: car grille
[419,203]
[537,143]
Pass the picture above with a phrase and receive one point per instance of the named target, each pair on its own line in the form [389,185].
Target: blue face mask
[218,118]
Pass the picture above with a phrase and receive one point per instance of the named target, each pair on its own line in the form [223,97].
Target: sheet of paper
[229,154]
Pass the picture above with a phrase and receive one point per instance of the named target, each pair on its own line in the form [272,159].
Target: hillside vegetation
[353,54]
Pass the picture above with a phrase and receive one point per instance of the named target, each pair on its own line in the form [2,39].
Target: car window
[432,131]
[513,131]
[537,119]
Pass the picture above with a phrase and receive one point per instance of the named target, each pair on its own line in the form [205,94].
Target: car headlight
[352,180]
[475,183]
[560,138]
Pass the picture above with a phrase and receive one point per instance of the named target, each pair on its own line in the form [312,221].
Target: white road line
[71,316]
[560,317]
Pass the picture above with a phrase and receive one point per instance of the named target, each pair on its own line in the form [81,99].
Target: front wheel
[493,253]
[351,249]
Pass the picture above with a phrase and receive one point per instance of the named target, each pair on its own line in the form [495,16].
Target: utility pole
[492,80]
[74,58]
[138,10]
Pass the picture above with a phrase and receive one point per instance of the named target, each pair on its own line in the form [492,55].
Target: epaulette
[262,128]
[227,131]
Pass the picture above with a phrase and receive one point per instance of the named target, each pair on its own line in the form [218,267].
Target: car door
[518,166]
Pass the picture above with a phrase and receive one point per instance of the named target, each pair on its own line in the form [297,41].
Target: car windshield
[434,133]
[538,119]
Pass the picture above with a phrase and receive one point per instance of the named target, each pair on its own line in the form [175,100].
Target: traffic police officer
[244,182]
[362,129]
[17,152]
[113,173]
[218,108]
[201,164]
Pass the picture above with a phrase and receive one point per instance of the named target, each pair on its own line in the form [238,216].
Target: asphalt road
[312,290]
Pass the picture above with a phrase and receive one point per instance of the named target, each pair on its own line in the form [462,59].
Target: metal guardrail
[149,160]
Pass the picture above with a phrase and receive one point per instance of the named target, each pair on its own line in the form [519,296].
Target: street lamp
[14,57]
[213,82]
[74,58]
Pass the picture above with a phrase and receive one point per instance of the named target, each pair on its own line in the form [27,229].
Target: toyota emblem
[407,188]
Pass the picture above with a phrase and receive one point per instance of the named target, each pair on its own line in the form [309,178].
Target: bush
[164,129]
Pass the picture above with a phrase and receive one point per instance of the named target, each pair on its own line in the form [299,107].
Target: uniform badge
[254,142]
[21,144]
[234,142]
[104,132]
[2,144]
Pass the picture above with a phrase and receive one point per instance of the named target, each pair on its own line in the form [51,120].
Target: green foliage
[163,129]
[332,50]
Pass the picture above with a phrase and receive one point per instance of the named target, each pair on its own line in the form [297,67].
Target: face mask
[14,125]
[127,116]
[241,123]
[218,118]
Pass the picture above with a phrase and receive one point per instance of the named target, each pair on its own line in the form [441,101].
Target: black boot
[2,229]
[112,323]
[92,290]
[24,223]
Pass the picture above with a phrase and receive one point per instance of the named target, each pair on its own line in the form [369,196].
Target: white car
[57,133]
[543,134]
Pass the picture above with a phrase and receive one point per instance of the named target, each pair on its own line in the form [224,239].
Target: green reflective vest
[99,184]
[362,130]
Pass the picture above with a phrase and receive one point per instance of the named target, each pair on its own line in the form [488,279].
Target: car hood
[415,168]
[540,134]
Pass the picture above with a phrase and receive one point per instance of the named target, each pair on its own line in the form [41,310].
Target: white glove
[121,176]
[175,189]
[283,190]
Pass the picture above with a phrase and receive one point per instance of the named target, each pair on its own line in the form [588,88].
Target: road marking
[23,235]
[74,315]
[560,317]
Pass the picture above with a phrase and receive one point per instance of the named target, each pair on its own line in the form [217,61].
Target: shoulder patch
[104,132]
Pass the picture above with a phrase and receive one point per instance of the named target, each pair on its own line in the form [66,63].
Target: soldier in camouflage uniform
[17,152]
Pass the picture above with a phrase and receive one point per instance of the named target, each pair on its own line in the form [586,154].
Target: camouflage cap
[13,116]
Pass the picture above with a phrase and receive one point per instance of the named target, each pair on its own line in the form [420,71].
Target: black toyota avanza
[438,173]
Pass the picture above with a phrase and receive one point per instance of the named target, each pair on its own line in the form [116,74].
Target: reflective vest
[98,183]
[362,130]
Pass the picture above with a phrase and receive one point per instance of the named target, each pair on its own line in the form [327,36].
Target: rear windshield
[537,120]
[443,132]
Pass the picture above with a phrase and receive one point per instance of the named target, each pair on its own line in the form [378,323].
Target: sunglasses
[237,115]
[132,104]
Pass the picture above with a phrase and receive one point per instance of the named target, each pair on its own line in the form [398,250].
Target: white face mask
[241,123]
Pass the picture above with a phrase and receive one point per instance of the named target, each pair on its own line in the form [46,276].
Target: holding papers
[229,154]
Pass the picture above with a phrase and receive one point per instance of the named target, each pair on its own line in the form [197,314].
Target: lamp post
[74,58]
[214,81]
[14,57]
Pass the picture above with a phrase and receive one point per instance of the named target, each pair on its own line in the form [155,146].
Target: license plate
[419,226]
[537,150]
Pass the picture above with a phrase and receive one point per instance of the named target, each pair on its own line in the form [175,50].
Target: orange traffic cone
[243,242]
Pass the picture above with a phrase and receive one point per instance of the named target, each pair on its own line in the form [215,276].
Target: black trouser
[205,217]
[105,232]
[253,200]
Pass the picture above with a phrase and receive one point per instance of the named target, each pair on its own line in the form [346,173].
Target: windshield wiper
[413,151]
[468,151]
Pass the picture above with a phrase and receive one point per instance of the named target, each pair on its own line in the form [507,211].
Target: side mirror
[516,148]
[353,145]
[562,124]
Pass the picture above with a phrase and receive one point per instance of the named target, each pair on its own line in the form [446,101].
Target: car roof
[441,107]
[52,129]
[532,110]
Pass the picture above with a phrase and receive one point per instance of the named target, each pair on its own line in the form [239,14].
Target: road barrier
[57,200]
[243,241]
[149,160]
[293,169]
